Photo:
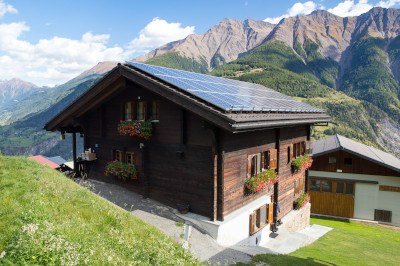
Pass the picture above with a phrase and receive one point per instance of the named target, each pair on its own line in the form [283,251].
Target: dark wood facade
[349,163]
[194,156]
[178,165]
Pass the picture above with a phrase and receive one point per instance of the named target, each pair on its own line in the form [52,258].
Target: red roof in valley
[42,160]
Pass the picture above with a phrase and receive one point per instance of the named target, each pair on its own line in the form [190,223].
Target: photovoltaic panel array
[227,94]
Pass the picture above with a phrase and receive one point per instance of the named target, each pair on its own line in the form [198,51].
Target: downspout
[220,176]
[306,173]
[276,185]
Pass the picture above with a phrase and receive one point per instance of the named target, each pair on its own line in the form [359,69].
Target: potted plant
[133,128]
[261,181]
[301,201]
[120,170]
[303,162]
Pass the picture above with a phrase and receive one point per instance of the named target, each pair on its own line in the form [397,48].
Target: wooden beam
[74,152]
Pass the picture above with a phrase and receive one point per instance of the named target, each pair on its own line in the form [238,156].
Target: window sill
[155,121]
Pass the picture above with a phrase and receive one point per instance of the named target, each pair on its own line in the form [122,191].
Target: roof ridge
[338,140]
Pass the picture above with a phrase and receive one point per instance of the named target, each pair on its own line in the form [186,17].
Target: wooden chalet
[353,180]
[208,136]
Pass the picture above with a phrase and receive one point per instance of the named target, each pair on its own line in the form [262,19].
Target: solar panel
[227,94]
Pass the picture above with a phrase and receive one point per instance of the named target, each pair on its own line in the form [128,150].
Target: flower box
[301,201]
[303,162]
[120,170]
[261,181]
[137,128]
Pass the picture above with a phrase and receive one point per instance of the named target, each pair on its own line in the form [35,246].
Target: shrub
[121,170]
[261,181]
[133,128]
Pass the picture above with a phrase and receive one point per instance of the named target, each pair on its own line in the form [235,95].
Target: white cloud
[350,8]
[157,33]
[389,3]
[52,61]
[57,59]
[346,8]
[297,9]
[6,8]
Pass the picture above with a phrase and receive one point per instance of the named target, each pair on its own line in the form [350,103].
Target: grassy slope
[91,228]
[347,244]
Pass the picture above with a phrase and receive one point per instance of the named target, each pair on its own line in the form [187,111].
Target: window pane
[130,158]
[314,184]
[141,112]
[349,188]
[326,186]
[154,110]
[348,161]
[332,159]
[128,111]
[340,187]
[253,165]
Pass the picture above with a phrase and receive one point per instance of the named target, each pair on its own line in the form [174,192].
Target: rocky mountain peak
[99,69]
[14,88]
[224,42]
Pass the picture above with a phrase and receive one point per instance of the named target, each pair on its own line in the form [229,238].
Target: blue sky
[50,42]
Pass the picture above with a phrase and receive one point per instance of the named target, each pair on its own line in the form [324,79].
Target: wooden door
[331,197]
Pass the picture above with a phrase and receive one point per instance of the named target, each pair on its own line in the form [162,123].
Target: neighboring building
[350,179]
[209,135]
[57,160]
[44,160]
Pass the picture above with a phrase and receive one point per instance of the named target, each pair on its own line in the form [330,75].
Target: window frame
[129,153]
[132,112]
[117,155]
[141,110]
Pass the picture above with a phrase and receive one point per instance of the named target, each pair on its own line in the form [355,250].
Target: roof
[57,160]
[215,99]
[43,160]
[70,165]
[228,94]
[338,142]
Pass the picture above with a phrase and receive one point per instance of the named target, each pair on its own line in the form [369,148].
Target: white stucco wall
[235,227]
[365,200]
[368,197]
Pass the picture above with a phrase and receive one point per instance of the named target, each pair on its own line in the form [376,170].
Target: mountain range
[348,66]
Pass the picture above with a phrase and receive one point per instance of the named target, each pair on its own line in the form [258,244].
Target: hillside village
[254,143]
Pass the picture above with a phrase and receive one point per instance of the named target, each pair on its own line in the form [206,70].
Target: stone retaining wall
[297,220]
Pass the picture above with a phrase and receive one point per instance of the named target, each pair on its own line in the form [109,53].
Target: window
[130,157]
[142,110]
[256,163]
[350,188]
[383,216]
[296,150]
[326,186]
[116,155]
[348,161]
[128,111]
[332,160]
[154,110]
[339,187]
[315,184]
[289,153]
[260,218]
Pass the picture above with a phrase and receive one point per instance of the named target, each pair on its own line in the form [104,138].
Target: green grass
[47,219]
[349,243]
